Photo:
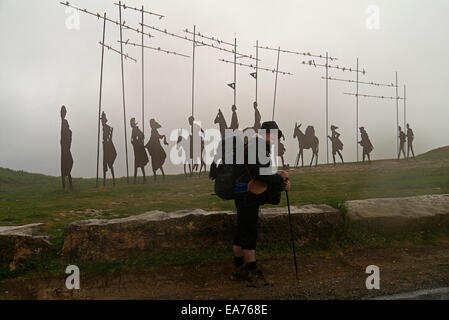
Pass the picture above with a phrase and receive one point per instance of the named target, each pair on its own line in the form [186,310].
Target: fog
[44,65]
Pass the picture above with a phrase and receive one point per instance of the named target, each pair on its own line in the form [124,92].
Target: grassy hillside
[440,153]
[26,198]
[11,178]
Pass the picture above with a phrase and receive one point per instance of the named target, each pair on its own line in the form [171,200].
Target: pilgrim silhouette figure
[410,138]
[234,119]
[366,144]
[66,155]
[257,118]
[402,138]
[196,152]
[155,149]
[337,145]
[140,155]
[221,123]
[281,147]
[109,152]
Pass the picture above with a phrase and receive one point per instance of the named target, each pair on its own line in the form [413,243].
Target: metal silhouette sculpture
[66,154]
[402,139]
[221,121]
[281,148]
[306,141]
[188,145]
[109,152]
[140,155]
[257,118]
[367,146]
[410,138]
[155,149]
[337,145]
[234,119]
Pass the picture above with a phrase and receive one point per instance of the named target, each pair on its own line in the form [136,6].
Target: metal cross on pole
[99,99]
[142,11]
[122,55]
[397,98]
[307,54]
[197,43]
[405,107]
[278,50]
[256,67]
[126,56]
[357,95]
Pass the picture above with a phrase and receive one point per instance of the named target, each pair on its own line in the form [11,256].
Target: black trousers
[247,216]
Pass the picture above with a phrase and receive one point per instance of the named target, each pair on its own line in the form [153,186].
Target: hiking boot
[240,273]
[256,279]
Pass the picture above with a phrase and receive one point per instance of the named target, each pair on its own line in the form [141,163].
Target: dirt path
[324,276]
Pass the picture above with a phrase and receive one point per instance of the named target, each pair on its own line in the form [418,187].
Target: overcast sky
[44,65]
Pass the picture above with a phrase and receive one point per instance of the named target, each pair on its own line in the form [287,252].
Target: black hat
[269,125]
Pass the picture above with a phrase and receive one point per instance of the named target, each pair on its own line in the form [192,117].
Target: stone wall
[158,232]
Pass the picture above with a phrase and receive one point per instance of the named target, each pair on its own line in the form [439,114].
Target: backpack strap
[249,173]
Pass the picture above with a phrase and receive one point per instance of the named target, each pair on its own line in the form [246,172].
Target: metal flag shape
[254,75]
[232,85]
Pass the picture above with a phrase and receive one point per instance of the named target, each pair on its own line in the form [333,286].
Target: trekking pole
[291,235]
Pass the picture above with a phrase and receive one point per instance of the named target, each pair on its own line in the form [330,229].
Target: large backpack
[224,172]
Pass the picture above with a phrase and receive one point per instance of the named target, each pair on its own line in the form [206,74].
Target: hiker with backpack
[250,186]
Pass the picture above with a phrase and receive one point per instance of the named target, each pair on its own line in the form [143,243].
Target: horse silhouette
[306,141]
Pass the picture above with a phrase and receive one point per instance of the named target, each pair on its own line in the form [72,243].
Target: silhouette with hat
[366,144]
[281,148]
[155,149]
[234,119]
[109,152]
[66,154]
[402,138]
[410,138]
[140,155]
[337,145]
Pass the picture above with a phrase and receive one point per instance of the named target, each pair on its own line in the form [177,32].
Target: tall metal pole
[193,70]
[357,111]
[143,82]
[327,107]
[193,85]
[257,64]
[397,114]
[405,107]
[276,82]
[99,102]
[235,71]
[123,89]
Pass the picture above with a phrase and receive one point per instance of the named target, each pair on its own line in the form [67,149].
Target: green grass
[29,198]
